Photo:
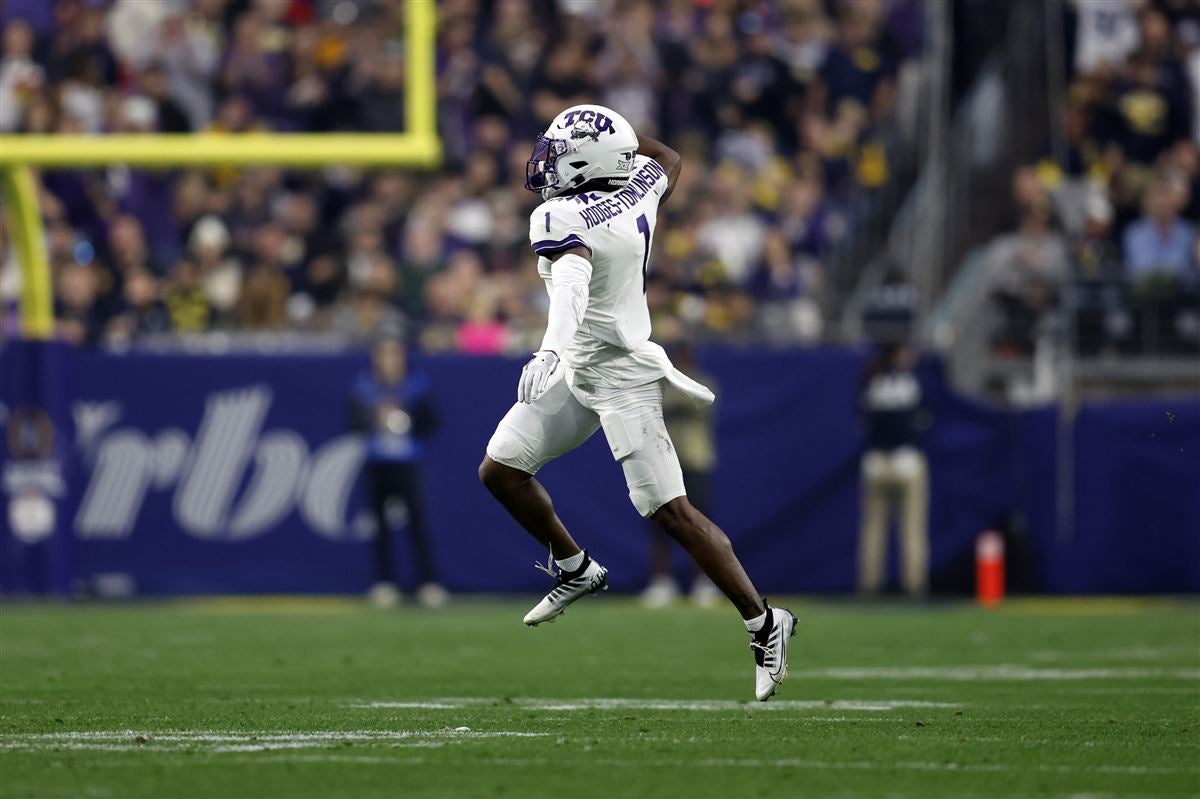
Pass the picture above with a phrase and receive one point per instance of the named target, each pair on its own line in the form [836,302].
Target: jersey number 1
[644,228]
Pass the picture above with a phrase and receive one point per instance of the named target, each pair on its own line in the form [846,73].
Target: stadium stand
[1107,236]
[779,120]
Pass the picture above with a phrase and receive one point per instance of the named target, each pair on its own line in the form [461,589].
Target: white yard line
[263,741]
[1001,673]
[433,704]
[287,747]
[209,736]
[754,763]
[607,703]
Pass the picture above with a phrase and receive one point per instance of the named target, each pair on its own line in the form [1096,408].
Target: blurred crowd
[780,109]
[1106,248]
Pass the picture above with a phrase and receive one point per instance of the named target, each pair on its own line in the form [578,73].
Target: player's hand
[536,375]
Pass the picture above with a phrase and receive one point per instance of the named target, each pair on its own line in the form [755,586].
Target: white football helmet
[582,144]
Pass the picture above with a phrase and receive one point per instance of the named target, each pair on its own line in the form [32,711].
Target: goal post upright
[29,241]
[418,146]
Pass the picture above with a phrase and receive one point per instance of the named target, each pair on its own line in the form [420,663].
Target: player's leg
[699,493]
[528,502]
[661,590]
[633,424]
[770,628]
[528,437]
[712,551]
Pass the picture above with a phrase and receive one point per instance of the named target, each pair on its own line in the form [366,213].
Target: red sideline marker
[989,569]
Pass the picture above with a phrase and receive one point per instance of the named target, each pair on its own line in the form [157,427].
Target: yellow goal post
[418,146]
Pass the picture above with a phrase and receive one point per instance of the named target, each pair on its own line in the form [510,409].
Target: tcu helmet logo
[587,124]
[583,130]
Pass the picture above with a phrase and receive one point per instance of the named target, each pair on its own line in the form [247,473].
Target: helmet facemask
[541,173]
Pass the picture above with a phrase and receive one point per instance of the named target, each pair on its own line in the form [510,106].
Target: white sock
[572,563]
[756,624]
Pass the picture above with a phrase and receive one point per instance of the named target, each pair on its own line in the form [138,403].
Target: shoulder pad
[556,225]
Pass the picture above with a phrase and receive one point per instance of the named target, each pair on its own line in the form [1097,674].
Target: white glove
[536,375]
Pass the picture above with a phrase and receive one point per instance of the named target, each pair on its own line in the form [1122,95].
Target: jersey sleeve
[556,226]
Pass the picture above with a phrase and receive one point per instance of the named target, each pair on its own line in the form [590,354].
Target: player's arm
[570,274]
[668,159]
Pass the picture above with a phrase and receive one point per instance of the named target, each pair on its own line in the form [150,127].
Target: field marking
[784,763]
[284,745]
[1001,673]
[218,736]
[608,703]
[217,741]
[150,746]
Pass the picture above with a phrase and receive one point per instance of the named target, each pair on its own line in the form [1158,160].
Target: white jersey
[617,229]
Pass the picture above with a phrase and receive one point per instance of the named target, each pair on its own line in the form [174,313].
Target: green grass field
[327,698]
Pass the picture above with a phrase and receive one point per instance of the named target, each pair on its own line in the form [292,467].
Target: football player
[601,186]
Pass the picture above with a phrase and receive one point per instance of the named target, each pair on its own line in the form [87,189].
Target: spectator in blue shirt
[393,408]
[1160,245]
